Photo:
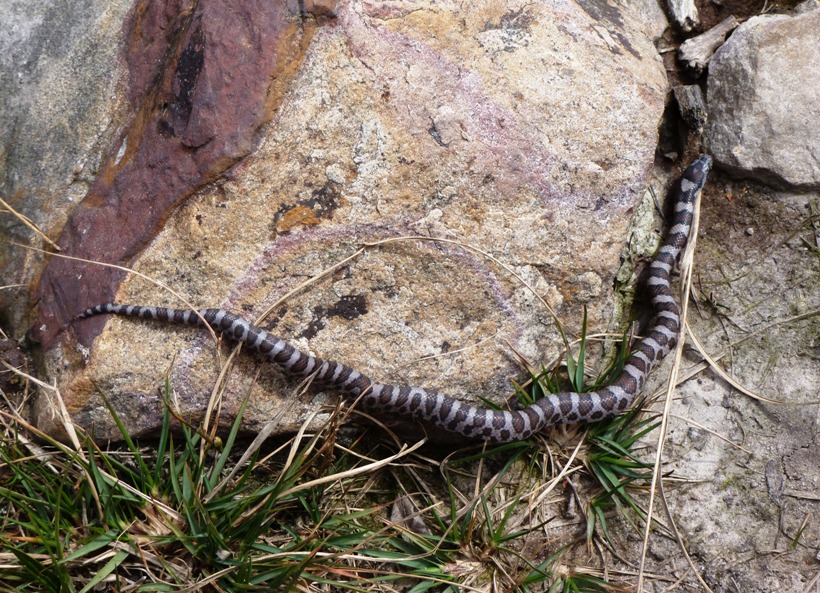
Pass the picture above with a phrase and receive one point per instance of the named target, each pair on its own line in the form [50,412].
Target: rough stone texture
[61,99]
[738,502]
[741,476]
[193,118]
[763,95]
[353,154]
[526,128]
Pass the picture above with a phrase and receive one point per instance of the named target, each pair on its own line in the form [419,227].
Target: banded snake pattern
[451,414]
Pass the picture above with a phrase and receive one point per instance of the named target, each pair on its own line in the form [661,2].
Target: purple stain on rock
[201,79]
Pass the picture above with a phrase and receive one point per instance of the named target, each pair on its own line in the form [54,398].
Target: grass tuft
[188,512]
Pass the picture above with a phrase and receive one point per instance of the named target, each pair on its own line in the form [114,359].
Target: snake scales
[450,414]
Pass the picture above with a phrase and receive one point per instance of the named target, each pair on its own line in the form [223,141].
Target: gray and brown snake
[450,414]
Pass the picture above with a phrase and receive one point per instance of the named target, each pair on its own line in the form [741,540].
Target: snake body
[451,414]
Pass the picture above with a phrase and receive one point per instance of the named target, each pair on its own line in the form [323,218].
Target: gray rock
[543,150]
[764,101]
[60,106]
[528,129]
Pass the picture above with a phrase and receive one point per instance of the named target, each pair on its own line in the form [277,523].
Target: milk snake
[450,414]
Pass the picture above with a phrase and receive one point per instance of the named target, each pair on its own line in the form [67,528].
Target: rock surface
[417,118]
[745,470]
[61,99]
[528,129]
[764,97]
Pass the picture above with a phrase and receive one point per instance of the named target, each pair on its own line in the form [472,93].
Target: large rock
[62,92]
[764,101]
[246,155]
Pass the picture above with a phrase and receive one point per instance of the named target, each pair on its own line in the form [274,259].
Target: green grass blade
[100,541]
[144,472]
[164,435]
[224,455]
[106,570]
[577,377]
